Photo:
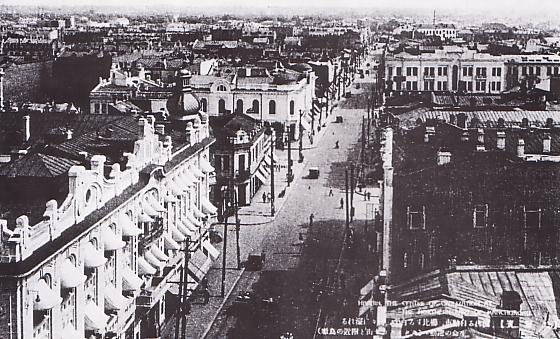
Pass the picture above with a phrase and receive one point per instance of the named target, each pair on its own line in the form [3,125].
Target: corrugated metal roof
[37,165]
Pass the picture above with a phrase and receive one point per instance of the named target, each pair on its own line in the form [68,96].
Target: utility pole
[312,118]
[184,307]
[290,156]
[338,84]
[352,185]
[224,248]
[272,194]
[347,225]
[300,137]
[237,229]
[363,147]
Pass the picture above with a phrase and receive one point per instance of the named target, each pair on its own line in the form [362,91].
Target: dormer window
[480,216]
[221,88]
[416,218]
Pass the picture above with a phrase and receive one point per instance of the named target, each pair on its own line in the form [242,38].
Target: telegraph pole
[224,248]
[352,184]
[347,226]
[272,209]
[300,137]
[363,147]
[290,156]
[237,229]
[184,307]
[312,118]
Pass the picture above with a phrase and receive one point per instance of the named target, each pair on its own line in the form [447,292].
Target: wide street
[300,274]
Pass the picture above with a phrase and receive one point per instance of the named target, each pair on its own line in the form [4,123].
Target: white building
[444,31]
[103,261]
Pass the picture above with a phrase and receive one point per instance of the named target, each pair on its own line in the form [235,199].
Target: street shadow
[299,293]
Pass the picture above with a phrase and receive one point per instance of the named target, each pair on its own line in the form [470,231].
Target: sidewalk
[256,221]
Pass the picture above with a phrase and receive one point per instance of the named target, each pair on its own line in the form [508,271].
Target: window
[532,218]
[409,85]
[225,162]
[469,86]
[292,107]
[548,70]
[272,107]
[390,71]
[399,71]
[480,216]
[444,86]
[255,106]
[498,86]
[221,106]
[416,218]
[524,70]
[221,88]
[239,106]
[409,71]
[204,105]
[415,71]
[481,71]
[415,85]
[537,70]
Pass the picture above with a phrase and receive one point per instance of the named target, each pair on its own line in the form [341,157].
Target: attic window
[221,88]
[416,219]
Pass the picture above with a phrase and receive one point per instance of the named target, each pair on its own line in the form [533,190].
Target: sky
[545,6]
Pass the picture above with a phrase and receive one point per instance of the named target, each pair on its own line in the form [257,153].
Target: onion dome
[182,105]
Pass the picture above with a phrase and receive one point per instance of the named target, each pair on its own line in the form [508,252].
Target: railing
[480,76]
[42,330]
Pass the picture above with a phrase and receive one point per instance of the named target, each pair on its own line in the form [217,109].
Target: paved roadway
[293,267]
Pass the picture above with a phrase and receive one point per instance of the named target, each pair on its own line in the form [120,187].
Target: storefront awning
[169,198]
[208,207]
[70,275]
[92,256]
[143,217]
[130,281]
[260,175]
[197,172]
[170,243]
[114,300]
[177,235]
[148,209]
[111,241]
[95,318]
[198,266]
[144,267]
[206,166]
[210,250]
[197,213]
[129,228]
[187,228]
[153,261]
[45,297]
[155,204]
[70,332]
[366,297]
[193,220]
[158,253]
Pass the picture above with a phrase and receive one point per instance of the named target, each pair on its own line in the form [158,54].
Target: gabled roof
[37,165]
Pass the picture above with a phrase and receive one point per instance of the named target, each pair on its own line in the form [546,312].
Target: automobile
[313,172]
[255,261]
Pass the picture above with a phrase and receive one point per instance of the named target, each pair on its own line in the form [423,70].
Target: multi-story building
[532,70]
[95,226]
[278,97]
[447,69]
[241,153]
[444,31]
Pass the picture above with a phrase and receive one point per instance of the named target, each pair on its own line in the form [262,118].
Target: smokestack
[520,147]
[501,140]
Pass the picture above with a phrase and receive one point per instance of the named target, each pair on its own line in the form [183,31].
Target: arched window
[272,107]
[221,88]
[292,107]
[239,106]
[255,106]
[222,106]
[204,105]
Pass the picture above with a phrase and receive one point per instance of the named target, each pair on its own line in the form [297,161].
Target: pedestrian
[341,203]
[368,196]
[269,197]
[311,217]
[330,193]
[206,296]
[264,197]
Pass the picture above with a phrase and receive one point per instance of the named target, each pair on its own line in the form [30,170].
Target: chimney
[26,128]
[546,143]
[142,124]
[480,137]
[465,135]
[160,129]
[443,157]
[521,147]
[501,140]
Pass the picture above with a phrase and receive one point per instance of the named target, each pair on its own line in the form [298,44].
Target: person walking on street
[269,197]
[330,193]
[341,203]
[264,197]
[311,217]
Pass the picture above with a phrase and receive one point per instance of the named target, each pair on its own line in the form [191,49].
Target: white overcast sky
[547,6]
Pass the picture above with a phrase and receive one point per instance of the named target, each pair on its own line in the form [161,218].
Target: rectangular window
[390,71]
[524,70]
[480,216]
[445,71]
[415,85]
[408,71]
[533,218]
[426,71]
[416,218]
[469,86]
[415,71]
[537,70]
[399,71]
[444,86]
[470,71]
[439,85]
[409,85]
[498,72]
[531,70]
[548,70]
[555,70]
[465,71]
[493,71]
[398,85]
[498,86]
[432,71]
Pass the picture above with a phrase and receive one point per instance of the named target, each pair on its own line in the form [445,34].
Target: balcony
[159,284]
[155,232]
[480,76]
[429,76]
